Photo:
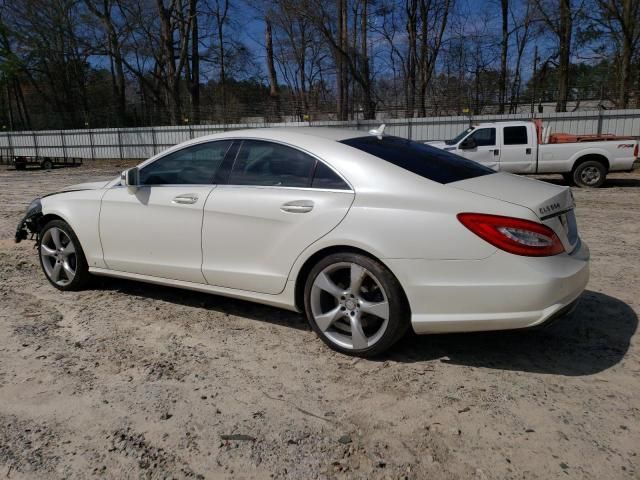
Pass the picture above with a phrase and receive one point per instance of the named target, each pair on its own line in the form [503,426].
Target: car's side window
[271,164]
[484,137]
[324,177]
[515,136]
[194,165]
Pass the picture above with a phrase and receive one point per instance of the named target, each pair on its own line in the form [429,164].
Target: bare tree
[619,20]
[559,16]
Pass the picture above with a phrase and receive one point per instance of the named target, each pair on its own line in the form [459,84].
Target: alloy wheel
[590,175]
[349,306]
[59,257]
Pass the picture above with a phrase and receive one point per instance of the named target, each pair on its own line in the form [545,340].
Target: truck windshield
[428,162]
[460,136]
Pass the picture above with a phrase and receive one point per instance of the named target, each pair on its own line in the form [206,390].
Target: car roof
[337,134]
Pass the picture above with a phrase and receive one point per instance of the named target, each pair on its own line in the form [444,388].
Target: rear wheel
[21,166]
[46,164]
[355,304]
[590,174]
[61,257]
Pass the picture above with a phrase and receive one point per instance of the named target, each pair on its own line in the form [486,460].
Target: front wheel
[590,174]
[46,164]
[61,257]
[355,304]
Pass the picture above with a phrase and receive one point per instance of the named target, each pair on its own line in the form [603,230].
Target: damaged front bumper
[30,223]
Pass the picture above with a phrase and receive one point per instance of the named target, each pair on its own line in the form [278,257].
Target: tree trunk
[339,64]
[220,19]
[627,53]
[412,55]
[271,71]
[503,56]
[344,45]
[168,55]
[565,31]
[194,87]
[368,99]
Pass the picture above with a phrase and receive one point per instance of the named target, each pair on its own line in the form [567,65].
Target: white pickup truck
[527,147]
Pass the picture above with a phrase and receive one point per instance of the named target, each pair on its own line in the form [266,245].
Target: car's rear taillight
[514,235]
[635,150]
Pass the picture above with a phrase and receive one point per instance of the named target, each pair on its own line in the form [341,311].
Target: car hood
[441,145]
[82,186]
[86,186]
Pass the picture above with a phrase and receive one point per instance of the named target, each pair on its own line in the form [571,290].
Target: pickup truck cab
[528,148]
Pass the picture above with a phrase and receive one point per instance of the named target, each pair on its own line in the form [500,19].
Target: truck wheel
[46,164]
[590,174]
[21,166]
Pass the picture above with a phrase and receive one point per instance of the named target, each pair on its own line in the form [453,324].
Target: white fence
[139,143]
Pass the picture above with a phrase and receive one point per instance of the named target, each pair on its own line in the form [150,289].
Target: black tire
[21,166]
[590,174]
[82,275]
[568,178]
[46,164]
[379,281]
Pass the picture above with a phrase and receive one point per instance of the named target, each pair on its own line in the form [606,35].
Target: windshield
[460,136]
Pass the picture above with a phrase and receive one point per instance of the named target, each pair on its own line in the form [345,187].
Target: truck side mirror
[130,177]
[468,144]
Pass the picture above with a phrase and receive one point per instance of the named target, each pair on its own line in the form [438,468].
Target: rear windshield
[428,162]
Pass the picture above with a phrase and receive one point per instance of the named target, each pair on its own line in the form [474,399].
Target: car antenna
[378,132]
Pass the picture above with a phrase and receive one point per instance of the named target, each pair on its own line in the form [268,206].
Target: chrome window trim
[241,139]
[224,185]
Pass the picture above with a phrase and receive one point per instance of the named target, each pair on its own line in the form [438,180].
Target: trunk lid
[552,204]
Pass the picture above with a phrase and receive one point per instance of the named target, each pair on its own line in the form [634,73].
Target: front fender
[81,210]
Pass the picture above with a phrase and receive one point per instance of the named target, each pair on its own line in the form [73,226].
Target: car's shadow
[593,338]
[596,336]
[609,183]
[215,303]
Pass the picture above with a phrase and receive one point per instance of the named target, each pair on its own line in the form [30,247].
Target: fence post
[10,142]
[120,144]
[600,118]
[153,139]
[92,143]
[35,142]
[64,144]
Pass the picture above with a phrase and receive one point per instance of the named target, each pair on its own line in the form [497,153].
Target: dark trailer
[21,162]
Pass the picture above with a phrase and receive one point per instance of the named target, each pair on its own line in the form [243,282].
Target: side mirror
[131,177]
[468,144]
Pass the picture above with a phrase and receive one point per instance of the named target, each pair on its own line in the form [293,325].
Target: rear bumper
[500,292]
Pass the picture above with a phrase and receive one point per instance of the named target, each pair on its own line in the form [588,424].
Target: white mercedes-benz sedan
[367,234]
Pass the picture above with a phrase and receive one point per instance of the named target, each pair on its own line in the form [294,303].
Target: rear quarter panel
[415,221]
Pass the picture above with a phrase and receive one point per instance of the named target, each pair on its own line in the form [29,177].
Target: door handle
[185,199]
[528,151]
[496,152]
[297,206]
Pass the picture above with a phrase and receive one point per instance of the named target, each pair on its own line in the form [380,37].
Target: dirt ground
[132,380]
